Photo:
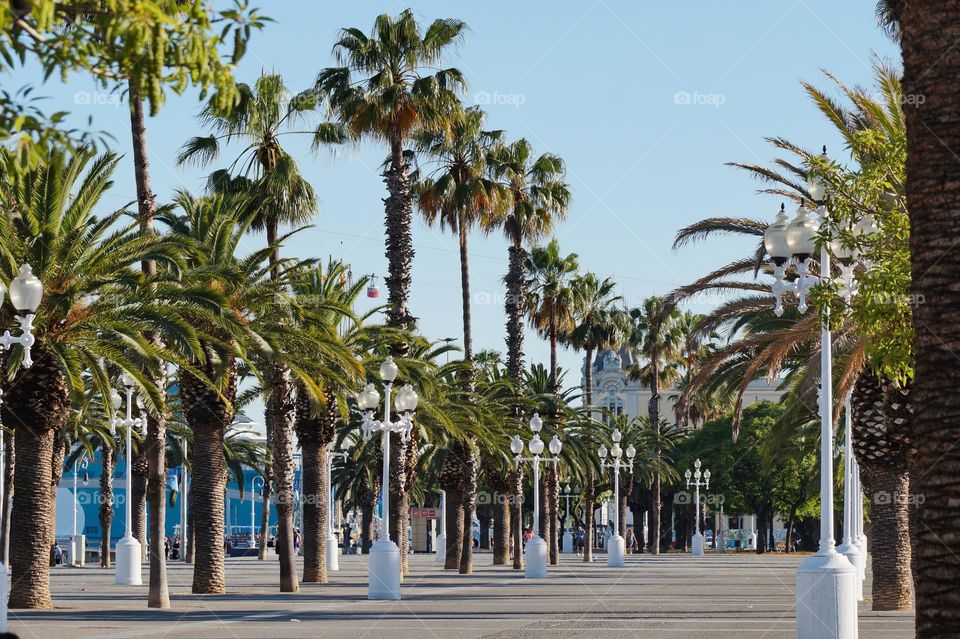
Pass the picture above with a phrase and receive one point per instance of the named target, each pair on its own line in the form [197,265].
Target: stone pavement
[675,596]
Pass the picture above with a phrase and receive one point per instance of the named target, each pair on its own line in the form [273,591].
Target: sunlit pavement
[732,595]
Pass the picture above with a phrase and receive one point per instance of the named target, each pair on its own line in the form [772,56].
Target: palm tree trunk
[106,502]
[514,310]
[37,403]
[589,508]
[280,411]
[626,489]
[399,242]
[469,498]
[516,517]
[398,481]
[500,487]
[141,470]
[453,527]
[155,441]
[7,505]
[931,64]
[206,500]
[655,500]
[188,542]
[315,514]
[267,497]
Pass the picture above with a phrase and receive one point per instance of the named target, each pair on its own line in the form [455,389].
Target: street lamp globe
[555,446]
[775,238]
[815,185]
[801,234]
[841,252]
[536,423]
[369,398]
[688,475]
[412,398]
[516,445]
[127,380]
[388,370]
[602,452]
[115,400]
[536,445]
[26,291]
[616,435]
[631,452]
[616,451]
[696,464]
[866,226]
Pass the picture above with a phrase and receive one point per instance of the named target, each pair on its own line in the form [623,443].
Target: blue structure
[236,512]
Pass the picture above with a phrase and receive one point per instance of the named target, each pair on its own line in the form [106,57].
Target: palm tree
[459,194]
[388,88]
[539,199]
[656,339]
[97,306]
[597,324]
[267,173]
[328,295]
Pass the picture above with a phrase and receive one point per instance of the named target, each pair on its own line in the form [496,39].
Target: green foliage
[149,44]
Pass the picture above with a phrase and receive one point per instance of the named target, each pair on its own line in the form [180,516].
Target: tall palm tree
[550,305]
[328,295]
[97,305]
[931,174]
[539,199]
[459,194]
[597,324]
[657,340]
[389,87]
[265,171]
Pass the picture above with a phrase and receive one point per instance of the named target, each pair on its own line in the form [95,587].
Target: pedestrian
[166,547]
[580,540]
[630,541]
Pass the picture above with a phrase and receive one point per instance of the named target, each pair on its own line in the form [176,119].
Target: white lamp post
[616,546]
[849,546]
[441,555]
[384,580]
[78,543]
[826,582]
[128,548]
[535,554]
[697,548]
[333,548]
[253,507]
[26,291]
[567,532]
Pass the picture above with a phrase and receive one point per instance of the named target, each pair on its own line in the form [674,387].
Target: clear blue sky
[645,101]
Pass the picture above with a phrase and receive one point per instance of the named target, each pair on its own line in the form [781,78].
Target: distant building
[616,392]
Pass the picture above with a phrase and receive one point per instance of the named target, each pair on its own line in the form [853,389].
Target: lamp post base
[441,556]
[568,542]
[616,551]
[535,558]
[78,550]
[128,562]
[696,548]
[333,553]
[852,553]
[384,579]
[827,597]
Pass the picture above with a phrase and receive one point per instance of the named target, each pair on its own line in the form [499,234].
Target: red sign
[429,513]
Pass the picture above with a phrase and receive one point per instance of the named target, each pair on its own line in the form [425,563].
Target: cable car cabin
[373,291]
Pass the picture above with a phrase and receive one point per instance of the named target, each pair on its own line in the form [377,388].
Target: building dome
[612,360]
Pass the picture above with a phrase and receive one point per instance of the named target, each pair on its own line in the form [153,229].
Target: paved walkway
[733,595]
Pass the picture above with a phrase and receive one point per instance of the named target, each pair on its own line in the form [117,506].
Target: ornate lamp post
[78,543]
[616,546]
[849,547]
[826,582]
[567,532]
[333,548]
[535,554]
[128,548]
[26,291]
[697,548]
[384,581]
